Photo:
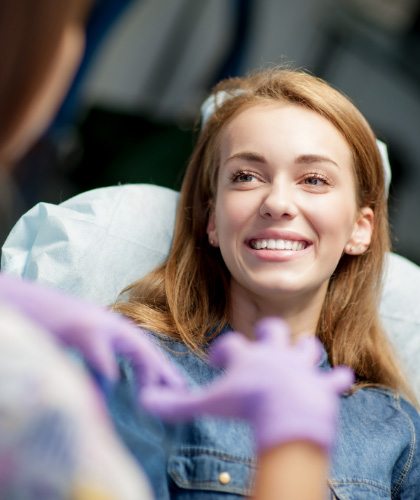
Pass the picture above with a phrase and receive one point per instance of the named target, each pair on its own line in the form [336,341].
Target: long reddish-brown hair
[187,297]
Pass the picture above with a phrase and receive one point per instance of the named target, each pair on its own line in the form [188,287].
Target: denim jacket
[377,455]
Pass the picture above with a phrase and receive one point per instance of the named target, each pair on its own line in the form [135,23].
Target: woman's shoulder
[371,397]
[378,411]
[377,445]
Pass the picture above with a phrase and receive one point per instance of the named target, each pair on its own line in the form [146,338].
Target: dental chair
[97,243]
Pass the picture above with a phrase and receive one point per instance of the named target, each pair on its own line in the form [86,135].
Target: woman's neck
[300,311]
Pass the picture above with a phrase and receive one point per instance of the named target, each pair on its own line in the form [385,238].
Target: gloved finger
[179,405]
[226,348]
[310,349]
[98,353]
[150,365]
[158,372]
[273,330]
[340,378]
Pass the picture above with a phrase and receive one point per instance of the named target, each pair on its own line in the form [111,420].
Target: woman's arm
[296,470]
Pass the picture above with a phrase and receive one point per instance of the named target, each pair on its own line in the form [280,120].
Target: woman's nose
[279,203]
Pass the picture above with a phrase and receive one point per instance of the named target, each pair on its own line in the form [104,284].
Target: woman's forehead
[274,128]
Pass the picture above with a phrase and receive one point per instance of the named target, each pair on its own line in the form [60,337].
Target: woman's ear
[211,230]
[362,233]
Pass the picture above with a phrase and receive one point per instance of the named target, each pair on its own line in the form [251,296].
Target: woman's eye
[316,180]
[243,177]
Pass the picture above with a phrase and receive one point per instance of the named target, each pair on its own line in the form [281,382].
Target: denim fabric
[376,456]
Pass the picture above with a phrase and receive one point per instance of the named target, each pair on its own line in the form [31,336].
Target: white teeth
[272,244]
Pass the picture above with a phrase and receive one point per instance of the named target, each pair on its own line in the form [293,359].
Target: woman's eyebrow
[247,156]
[309,159]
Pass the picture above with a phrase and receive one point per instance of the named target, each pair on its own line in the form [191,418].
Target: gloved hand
[272,384]
[98,334]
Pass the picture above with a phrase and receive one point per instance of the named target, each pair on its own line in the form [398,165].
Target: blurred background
[132,111]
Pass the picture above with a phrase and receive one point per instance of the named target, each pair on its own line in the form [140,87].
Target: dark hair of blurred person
[42,44]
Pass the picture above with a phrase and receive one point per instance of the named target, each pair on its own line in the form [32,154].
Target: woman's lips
[275,249]
[278,244]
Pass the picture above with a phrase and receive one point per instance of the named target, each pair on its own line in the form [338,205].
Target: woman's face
[285,209]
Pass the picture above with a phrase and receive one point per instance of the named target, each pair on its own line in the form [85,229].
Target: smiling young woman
[282,212]
[190,294]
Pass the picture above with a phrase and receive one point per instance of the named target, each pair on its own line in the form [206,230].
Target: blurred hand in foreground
[271,383]
[100,335]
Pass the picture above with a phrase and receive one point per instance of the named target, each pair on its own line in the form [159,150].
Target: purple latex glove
[272,384]
[97,333]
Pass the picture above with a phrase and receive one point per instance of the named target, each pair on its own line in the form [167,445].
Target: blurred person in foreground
[56,440]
